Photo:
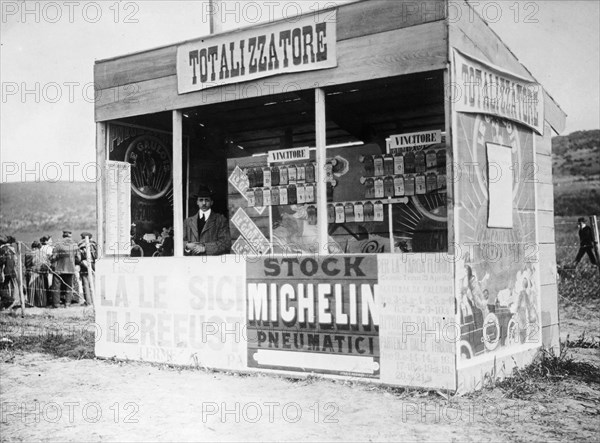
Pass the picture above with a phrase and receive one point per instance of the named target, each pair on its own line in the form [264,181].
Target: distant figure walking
[65,257]
[586,242]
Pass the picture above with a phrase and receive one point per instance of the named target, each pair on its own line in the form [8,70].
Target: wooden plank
[554,114]
[549,300]
[410,50]
[449,161]
[354,20]
[547,264]
[543,144]
[135,68]
[178,183]
[321,157]
[373,16]
[545,227]
[543,169]
[101,153]
[545,197]
[551,338]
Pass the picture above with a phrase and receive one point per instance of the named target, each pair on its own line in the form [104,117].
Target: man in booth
[206,233]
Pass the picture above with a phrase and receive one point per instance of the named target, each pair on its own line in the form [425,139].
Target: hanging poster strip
[486,89]
[118,208]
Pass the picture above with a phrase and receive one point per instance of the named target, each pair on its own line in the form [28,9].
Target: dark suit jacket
[215,234]
[586,237]
[65,256]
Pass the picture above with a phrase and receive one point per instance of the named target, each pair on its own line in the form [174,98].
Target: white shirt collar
[204,214]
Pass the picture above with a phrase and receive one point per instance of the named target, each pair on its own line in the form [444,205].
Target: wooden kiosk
[385,167]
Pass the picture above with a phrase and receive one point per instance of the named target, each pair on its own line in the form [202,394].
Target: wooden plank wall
[376,39]
[545,219]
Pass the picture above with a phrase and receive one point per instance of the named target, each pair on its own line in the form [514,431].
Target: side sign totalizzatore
[314,314]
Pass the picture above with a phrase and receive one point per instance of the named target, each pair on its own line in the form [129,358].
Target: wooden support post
[321,156]
[101,155]
[178,183]
[594,224]
[20,278]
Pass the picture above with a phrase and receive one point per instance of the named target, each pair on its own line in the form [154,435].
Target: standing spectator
[586,242]
[89,253]
[9,288]
[65,257]
[46,242]
[37,265]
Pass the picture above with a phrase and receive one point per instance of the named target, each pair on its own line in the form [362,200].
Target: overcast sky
[49,48]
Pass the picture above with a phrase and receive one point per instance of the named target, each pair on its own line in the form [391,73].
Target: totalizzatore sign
[305,44]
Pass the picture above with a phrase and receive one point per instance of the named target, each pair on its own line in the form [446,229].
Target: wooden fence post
[20,279]
[594,225]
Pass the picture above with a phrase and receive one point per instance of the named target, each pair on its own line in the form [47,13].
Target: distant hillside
[576,173]
[576,155]
[30,210]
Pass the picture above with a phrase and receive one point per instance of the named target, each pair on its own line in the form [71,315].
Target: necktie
[201,223]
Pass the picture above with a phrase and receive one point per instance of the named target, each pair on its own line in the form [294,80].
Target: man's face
[204,203]
[580,225]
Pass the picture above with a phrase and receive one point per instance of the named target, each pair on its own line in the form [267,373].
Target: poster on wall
[118,207]
[186,311]
[381,203]
[487,89]
[497,274]
[314,314]
[417,331]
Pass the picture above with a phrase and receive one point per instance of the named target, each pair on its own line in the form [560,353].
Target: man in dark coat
[65,256]
[206,233]
[586,242]
[89,253]
[9,284]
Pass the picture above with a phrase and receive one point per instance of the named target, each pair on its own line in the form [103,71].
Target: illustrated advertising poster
[365,182]
[497,276]
[314,314]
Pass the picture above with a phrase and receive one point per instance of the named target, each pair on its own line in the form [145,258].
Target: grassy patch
[547,369]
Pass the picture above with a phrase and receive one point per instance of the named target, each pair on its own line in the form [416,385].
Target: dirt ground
[45,397]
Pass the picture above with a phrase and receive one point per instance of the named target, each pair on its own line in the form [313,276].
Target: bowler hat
[86,234]
[203,192]
[581,220]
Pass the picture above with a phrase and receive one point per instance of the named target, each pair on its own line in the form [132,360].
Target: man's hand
[195,248]
[199,249]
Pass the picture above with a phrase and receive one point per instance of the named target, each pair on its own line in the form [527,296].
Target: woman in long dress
[37,265]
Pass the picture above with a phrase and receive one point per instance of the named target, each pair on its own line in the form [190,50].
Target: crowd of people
[51,274]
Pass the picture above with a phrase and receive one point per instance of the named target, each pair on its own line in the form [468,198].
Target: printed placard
[250,231]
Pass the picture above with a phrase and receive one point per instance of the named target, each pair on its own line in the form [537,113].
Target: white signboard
[486,89]
[118,208]
[286,155]
[187,311]
[413,141]
[305,44]
[500,186]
